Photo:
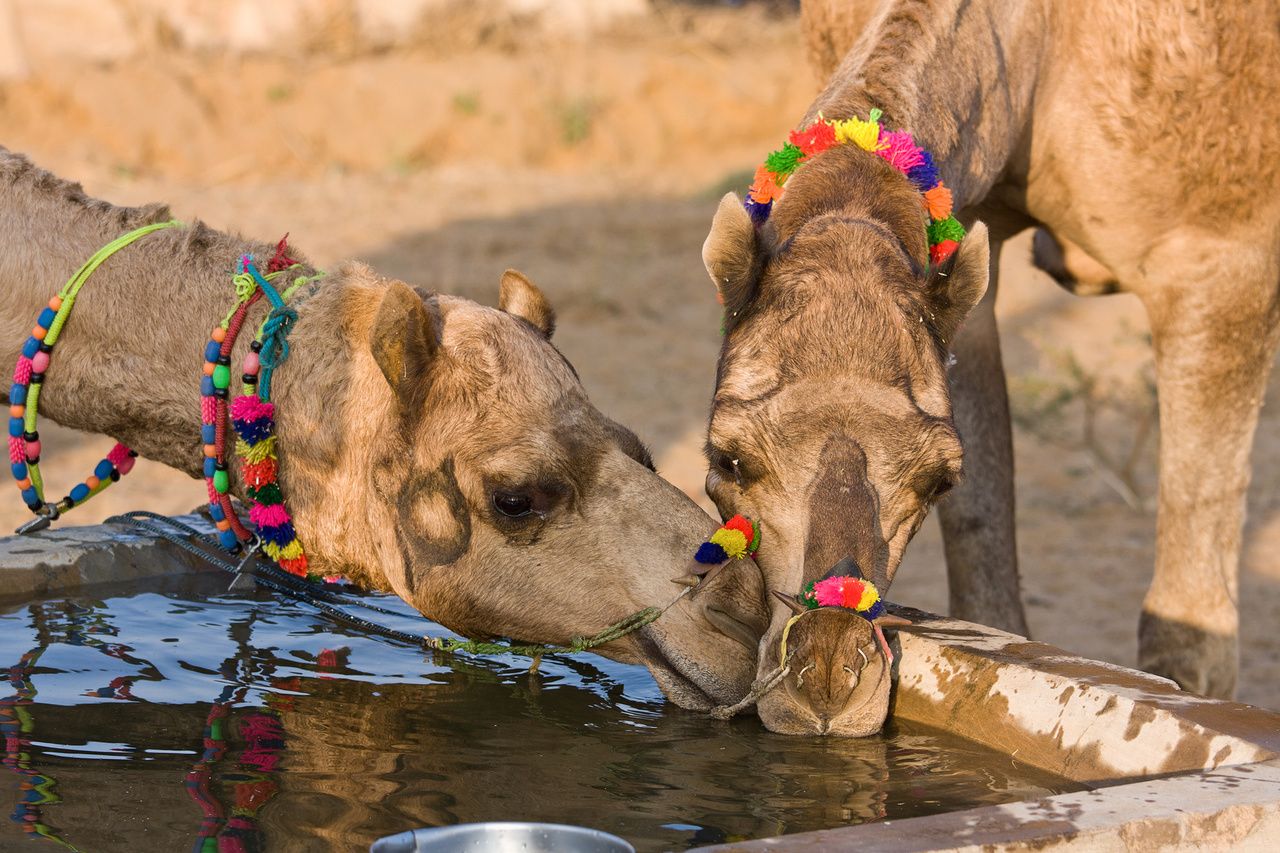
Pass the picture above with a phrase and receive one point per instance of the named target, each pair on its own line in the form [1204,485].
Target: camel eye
[512,505]
[728,466]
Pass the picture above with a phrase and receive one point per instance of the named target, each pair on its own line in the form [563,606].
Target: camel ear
[790,601]
[731,255]
[958,284]
[521,298]
[888,620]
[404,341]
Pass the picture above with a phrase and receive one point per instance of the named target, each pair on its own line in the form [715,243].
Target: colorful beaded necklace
[24,399]
[252,414]
[897,148]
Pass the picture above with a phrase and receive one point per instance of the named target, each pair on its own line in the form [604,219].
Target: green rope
[617,630]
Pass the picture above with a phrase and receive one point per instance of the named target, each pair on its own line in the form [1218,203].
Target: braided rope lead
[757,691]
[616,631]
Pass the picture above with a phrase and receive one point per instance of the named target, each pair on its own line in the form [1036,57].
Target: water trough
[1159,768]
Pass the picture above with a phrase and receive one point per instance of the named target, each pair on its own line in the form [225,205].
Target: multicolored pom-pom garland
[252,415]
[24,397]
[897,148]
[846,591]
[737,538]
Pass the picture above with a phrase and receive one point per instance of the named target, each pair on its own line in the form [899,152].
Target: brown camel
[429,445]
[1140,137]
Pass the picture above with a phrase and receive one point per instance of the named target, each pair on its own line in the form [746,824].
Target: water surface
[180,717]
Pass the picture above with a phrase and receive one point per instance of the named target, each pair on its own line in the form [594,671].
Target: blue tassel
[924,176]
[254,431]
[282,535]
[758,212]
[710,552]
[875,611]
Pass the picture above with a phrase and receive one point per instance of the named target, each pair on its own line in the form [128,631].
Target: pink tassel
[118,454]
[268,516]
[22,371]
[249,408]
[830,592]
[17,449]
[900,150]
[208,410]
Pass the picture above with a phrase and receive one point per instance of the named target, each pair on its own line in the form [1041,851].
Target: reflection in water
[183,718]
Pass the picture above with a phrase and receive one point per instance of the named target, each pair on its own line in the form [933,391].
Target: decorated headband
[737,537]
[897,148]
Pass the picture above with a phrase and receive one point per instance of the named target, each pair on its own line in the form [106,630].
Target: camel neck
[958,74]
[128,362]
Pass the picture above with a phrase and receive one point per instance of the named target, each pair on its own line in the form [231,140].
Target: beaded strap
[24,397]
[253,416]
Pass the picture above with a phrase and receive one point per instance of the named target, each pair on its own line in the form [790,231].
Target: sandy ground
[594,167]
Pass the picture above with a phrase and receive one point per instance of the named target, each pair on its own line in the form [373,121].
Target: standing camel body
[428,445]
[1141,138]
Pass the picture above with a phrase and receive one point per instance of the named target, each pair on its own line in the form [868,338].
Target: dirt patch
[594,167]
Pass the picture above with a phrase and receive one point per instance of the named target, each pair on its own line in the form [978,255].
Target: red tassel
[941,251]
[280,260]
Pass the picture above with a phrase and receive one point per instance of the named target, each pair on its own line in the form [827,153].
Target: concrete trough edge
[65,559]
[1084,720]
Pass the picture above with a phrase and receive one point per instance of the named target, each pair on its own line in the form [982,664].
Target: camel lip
[674,683]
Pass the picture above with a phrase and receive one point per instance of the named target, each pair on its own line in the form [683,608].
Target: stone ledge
[1084,720]
[63,559]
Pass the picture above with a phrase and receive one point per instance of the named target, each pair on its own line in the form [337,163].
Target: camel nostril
[733,627]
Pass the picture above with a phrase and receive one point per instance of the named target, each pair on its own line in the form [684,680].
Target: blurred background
[585,142]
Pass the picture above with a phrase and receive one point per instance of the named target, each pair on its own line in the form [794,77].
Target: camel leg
[1212,362]
[977,518]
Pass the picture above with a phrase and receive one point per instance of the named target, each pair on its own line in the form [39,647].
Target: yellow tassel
[864,134]
[272,550]
[256,453]
[292,551]
[732,541]
[869,597]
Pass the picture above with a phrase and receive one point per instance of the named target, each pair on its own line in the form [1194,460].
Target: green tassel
[945,229]
[267,494]
[784,161]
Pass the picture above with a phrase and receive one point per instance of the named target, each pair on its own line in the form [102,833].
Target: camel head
[838,680]
[831,422]
[452,455]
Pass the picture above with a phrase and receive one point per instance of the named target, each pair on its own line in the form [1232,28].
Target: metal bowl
[503,837]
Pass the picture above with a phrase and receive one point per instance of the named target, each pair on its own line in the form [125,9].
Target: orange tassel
[938,202]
